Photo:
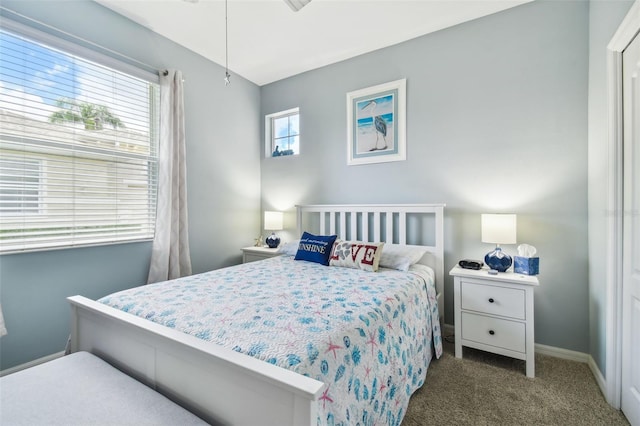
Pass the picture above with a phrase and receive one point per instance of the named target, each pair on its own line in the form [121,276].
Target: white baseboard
[600,380]
[31,363]
[562,353]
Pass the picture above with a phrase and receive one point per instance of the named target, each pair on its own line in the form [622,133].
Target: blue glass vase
[272,241]
[498,260]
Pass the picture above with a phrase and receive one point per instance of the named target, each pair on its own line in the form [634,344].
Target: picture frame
[376,123]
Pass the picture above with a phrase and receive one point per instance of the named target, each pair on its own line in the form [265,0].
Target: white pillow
[400,257]
[290,248]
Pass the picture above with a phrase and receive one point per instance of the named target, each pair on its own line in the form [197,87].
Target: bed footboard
[220,385]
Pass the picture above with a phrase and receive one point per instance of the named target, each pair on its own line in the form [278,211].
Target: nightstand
[494,313]
[251,254]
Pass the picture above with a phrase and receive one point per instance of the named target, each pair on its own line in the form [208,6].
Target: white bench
[82,389]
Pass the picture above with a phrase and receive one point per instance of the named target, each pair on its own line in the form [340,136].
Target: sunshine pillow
[356,254]
[315,248]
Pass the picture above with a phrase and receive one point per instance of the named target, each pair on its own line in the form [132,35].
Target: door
[630,402]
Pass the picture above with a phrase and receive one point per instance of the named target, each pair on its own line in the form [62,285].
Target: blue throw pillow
[315,248]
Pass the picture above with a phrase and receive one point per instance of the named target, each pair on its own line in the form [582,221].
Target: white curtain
[170,254]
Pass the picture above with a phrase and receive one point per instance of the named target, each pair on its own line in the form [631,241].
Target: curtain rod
[83,40]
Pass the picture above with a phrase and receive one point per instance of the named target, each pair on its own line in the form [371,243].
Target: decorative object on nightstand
[498,229]
[273,222]
[251,254]
[494,313]
[526,262]
[470,264]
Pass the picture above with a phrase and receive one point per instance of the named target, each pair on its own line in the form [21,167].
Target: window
[78,146]
[282,133]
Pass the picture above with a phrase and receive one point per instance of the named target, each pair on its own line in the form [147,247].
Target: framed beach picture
[376,121]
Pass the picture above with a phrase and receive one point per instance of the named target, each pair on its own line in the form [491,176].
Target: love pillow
[356,254]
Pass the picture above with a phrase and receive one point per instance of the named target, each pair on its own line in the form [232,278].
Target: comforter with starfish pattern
[368,336]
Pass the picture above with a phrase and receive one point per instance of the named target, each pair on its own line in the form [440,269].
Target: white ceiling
[268,41]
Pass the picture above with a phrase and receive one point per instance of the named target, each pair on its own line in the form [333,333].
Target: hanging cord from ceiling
[227,76]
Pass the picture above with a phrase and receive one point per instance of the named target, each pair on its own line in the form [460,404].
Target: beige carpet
[487,389]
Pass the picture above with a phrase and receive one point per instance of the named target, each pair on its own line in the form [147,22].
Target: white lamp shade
[499,228]
[273,221]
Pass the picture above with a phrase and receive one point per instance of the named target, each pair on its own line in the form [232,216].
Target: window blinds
[78,149]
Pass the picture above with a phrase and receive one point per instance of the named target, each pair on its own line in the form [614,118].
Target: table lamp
[498,229]
[272,222]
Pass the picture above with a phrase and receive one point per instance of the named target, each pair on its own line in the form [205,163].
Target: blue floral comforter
[367,335]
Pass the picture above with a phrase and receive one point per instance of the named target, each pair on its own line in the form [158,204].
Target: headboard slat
[388,232]
[402,224]
[353,225]
[365,226]
[322,224]
[343,225]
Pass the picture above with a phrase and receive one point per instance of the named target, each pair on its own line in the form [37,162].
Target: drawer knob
[491,300]
[491,332]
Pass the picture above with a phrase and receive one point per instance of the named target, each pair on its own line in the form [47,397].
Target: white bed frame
[221,385]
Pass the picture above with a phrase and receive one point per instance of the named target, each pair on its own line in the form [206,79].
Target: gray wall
[604,19]
[222,126]
[496,122]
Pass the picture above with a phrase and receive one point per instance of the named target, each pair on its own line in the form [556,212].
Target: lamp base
[272,241]
[498,260]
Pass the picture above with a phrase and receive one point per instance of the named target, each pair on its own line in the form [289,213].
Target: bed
[317,344]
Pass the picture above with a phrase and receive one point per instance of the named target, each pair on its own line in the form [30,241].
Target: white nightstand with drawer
[251,254]
[494,313]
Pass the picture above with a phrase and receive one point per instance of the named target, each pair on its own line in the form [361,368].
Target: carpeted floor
[488,389]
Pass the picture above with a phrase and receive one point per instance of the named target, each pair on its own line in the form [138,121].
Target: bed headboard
[410,224]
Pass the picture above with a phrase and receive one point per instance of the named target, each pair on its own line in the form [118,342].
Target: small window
[282,133]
